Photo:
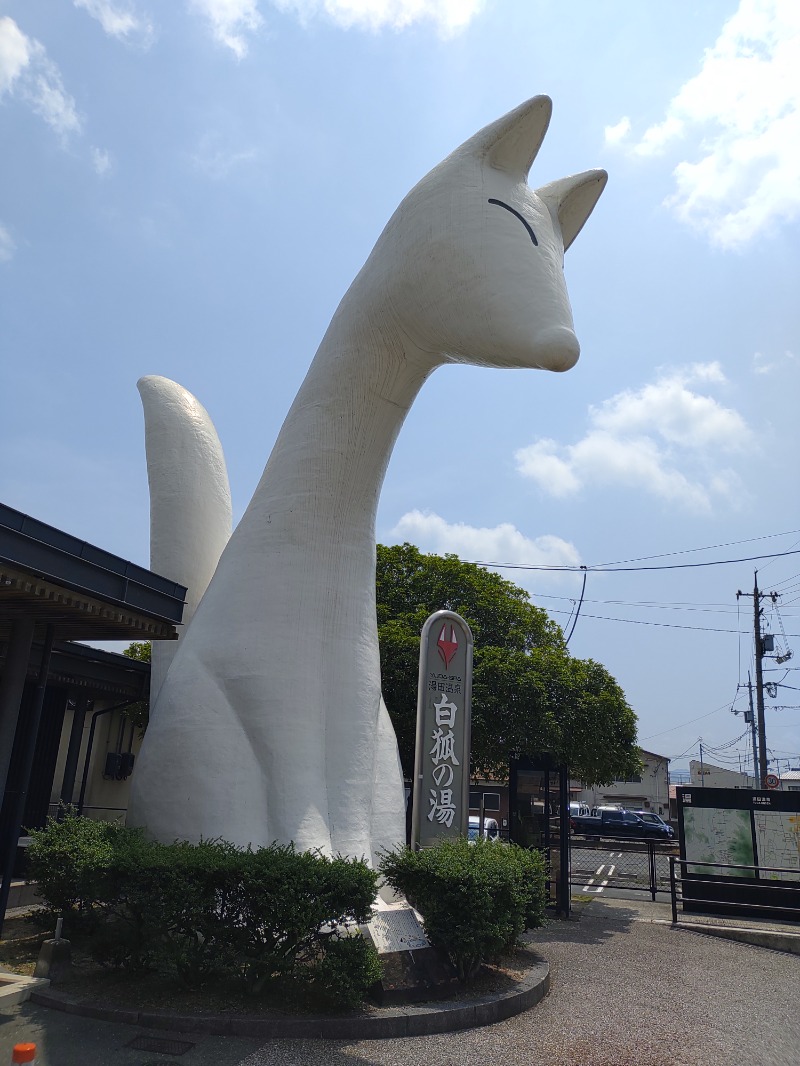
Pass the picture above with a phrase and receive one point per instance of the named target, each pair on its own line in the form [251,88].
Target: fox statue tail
[190,500]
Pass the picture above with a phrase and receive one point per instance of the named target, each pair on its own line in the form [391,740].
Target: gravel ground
[624,992]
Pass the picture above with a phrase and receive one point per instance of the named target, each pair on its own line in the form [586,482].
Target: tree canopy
[529,694]
[139,713]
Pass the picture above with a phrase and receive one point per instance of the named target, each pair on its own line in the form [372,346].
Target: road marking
[600,869]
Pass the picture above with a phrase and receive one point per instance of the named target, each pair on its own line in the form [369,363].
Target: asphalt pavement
[626,990]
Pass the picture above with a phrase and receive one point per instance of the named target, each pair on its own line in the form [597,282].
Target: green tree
[139,649]
[529,694]
[139,713]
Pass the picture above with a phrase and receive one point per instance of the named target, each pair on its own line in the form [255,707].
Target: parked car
[491,830]
[655,820]
[619,823]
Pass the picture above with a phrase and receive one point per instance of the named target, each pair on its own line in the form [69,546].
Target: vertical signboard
[444,705]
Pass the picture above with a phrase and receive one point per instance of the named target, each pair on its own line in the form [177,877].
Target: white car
[491,830]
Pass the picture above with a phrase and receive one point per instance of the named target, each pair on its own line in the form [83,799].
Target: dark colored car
[621,824]
[657,823]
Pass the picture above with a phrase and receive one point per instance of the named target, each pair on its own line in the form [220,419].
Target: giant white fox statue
[270,724]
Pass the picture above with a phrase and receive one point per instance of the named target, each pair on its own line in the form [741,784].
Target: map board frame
[754,834]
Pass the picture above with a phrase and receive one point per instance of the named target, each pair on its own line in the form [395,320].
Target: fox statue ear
[512,142]
[572,200]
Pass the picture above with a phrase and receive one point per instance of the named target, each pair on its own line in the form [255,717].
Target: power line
[663,625]
[666,605]
[710,547]
[650,736]
[607,568]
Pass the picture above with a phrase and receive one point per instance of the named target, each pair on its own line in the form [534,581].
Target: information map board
[741,827]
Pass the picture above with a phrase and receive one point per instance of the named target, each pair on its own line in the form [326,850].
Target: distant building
[648,790]
[64,734]
[710,776]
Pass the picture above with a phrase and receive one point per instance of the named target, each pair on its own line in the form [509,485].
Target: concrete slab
[15,988]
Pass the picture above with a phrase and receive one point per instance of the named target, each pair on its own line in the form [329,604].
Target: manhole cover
[163,1045]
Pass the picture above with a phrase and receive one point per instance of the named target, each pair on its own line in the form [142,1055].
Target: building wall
[650,792]
[495,800]
[710,776]
[106,797]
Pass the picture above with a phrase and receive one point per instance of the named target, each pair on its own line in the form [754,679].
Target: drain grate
[165,1046]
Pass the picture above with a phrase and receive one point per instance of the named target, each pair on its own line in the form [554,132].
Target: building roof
[654,754]
[84,592]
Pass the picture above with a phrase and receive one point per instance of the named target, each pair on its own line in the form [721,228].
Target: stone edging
[412,1020]
[774,939]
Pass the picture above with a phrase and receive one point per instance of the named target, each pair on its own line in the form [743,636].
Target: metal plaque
[397,930]
[444,704]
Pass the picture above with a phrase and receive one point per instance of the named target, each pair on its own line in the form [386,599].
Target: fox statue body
[270,724]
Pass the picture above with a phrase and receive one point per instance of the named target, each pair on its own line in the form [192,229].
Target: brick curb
[412,1020]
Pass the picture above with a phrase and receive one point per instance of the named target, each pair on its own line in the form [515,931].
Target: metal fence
[99,814]
[634,865]
[771,892]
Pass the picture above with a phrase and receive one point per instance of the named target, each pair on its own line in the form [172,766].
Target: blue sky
[188,189]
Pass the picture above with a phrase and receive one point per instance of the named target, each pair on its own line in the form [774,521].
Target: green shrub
[293,904]
[475,898]
[72,859]
[206,910]
[346,971]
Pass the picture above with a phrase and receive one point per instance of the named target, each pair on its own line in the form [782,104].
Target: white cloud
[761,365]
[7,245]
[617,134]
[230,21]
[101,161]
[216,160]
[14,53]
[541,463]
[449,16]
[119,19]
[503,543]
[663,439]
[742,111]
[27,73]
[675,413]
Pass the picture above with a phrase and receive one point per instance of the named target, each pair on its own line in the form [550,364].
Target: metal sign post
[444,707]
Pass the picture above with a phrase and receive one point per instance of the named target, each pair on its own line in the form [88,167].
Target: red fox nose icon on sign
[447,648]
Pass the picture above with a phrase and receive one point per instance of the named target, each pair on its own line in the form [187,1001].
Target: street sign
[444,705]
[772,781]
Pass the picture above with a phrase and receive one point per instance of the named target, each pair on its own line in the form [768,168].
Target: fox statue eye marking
[524,221]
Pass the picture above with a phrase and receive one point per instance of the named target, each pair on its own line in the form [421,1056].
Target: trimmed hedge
[210,910]
[476,898]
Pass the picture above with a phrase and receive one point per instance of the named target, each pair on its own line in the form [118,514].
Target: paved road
[625,992]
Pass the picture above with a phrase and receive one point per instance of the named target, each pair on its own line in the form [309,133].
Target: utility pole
[759,650]
[702,768]
[753,729]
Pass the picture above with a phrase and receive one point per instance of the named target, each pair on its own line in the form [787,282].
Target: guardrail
[784,889]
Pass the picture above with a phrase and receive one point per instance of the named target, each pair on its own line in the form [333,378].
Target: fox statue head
[470,266]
